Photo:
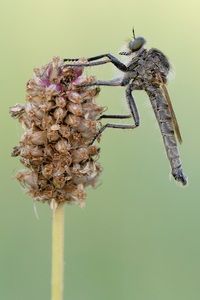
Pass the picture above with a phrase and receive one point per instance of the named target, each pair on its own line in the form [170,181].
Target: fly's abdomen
[164,119]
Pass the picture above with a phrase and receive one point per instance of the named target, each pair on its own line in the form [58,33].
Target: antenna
[133,33]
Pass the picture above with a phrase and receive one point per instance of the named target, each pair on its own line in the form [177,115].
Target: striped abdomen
[163,115]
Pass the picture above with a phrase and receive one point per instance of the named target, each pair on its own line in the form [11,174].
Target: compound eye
[137,44]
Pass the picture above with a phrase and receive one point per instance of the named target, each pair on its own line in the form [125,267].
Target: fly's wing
[174,120]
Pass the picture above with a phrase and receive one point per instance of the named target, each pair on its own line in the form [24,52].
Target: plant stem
[57,252]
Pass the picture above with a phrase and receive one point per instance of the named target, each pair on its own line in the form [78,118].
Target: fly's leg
[108,125]
[114,82]
[110,57]
[88,59]
[134,115]
[88,64]
[115,117]
[132,105]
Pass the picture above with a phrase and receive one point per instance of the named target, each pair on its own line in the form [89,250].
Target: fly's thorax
[148,63]
[159,61]
[145,65]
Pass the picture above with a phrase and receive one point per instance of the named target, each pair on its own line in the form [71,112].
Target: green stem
[57,252]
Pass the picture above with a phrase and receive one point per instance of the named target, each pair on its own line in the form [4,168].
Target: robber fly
[146,70]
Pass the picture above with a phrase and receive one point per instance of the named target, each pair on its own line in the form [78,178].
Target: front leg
[111,59]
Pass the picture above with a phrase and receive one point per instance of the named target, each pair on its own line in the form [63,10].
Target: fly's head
[133,46]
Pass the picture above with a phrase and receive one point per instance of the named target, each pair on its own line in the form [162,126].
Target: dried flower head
[59,122]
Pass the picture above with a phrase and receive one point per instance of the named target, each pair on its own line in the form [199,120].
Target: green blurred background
[139,235]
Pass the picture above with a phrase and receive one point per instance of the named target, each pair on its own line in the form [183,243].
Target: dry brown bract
[59,121]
